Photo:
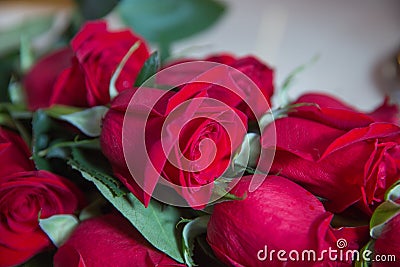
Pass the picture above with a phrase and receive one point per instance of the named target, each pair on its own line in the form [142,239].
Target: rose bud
[258,73]
[346,157]
[274,225]
[109,240]
[24,198]
[81,76]
[39,81]
[188,138]
[335,113]
[14,153]
[388,245]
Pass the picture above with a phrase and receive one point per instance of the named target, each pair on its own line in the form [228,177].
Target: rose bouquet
[116,159]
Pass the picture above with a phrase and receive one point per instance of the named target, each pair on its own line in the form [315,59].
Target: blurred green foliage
[163,22]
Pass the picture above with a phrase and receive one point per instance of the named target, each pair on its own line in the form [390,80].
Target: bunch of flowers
[117,160]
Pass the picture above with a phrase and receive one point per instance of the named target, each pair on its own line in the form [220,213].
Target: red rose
[111,144]
[259,73]
[333,112]
[109,240]
[207,134]
[39,81]
[14,153]
[279,215]
[388,244]
[81,77]
[342,155]
[24,196]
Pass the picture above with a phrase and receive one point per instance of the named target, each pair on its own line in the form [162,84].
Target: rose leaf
[149,68]
[190,231]
[383,213]
[59,227]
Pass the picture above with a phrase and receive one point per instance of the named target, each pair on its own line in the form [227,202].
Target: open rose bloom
[120,158]
[27,195]
[190,135]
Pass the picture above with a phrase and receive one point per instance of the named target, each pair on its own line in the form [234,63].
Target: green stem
[86,142]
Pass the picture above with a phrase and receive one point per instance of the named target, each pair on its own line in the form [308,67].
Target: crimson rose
[258,72]
[388,244]
[40,80]
[195,149]
[342,155]
[109,240]
[14,153]
[25,196]
[261,74]
[81,76]
[279,215]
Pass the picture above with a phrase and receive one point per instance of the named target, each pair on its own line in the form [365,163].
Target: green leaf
[7,121]
[393,193]
[190,231]
[8,66]
[183,221]
[59,227]
[26,56]
[41,124]
[88,121]
[96,166]
[57,111]
[53,150]
[156,222]
[16,93]
[246,157]
[94,9]
[169,20]
[383,213]
[52,141]
[95,209]
[220,193]
[362,262]
[9,117]
[149,68]
[112,88]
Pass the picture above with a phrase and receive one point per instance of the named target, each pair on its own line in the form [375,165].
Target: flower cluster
[192,139]
[28,195]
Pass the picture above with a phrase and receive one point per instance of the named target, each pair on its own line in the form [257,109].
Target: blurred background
[357,41]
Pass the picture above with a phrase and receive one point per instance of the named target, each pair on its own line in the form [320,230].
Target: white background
[354,39]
